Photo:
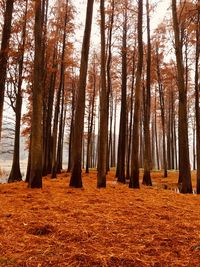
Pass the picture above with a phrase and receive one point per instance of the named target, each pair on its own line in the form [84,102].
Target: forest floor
[116,226]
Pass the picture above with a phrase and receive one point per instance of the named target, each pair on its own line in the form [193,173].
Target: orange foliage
[116,226]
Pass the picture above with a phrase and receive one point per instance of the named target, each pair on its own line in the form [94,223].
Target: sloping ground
[116,226]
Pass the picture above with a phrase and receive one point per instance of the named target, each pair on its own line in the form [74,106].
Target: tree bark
[4,54]
[120,174]
[58,97]
[197,108]
[147,109]
[76,178]
[184,162]
[134,179]
[162,109]
[103,133]
[15,174]
[35,180]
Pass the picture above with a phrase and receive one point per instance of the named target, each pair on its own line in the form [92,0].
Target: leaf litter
[116,226]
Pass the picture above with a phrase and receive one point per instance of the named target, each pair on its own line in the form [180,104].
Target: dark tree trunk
[35,180]
[134,179]
[28,170]
[197,108]
[114,137]
[194,147]
[184,161]
[45,4]
[48,140]
[58,98]
[147,109]
[4,53]
[91,122]
[76,179]
[103,133]
[162,109]
[120,174]
[60,135]
[156,137]
[109,83]
[71,129]
[15,174]
[131,120]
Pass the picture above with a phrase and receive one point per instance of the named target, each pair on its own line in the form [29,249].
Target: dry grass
[116,226]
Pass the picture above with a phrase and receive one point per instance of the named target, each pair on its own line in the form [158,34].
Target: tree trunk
[4,54]
[162,109]
[197,108]
[76,179]
[71,134]
[60,135]
[184,162]
[15,174]
[156,138]
[147,109]
[48,140]
[103,133]
[58,97]
[122,130]
[131,119]
[90,122]
[109,83]
[114,136]
[35,180]
[134,179]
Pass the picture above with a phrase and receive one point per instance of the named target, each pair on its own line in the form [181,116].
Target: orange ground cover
[116,226]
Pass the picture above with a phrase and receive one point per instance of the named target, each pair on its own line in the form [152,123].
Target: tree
[147,108]
[197,108]
[162,108]
[15,174]
[91,106]
[103,131]
[184,162]
[122,130]
[4,53]
[134,179]
[58,97]
[35,180]
[76,178]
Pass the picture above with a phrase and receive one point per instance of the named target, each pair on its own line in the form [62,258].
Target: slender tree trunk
[48,140]
[4,54]
[134,179]
[60,135]
[194,147]
[162,108]
[45,4]
[184,161]
[28,169]
[109,83]
[15,174]
[147,109]
[172,130]
[90,125]
[35,180]
[103,133]
[197,108]
[58,97]
[76,179]
[114,136]
[175,146]
[120,174]
[131,120]
[71,129]
[156,137]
